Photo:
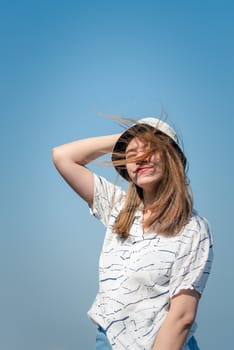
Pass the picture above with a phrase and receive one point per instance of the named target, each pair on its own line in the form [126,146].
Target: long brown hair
[173,202]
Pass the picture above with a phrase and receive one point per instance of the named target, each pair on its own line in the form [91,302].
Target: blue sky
[62,64]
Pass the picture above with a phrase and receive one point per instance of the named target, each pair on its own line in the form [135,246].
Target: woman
[157,252]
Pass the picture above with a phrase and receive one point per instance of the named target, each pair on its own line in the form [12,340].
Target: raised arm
[70,160]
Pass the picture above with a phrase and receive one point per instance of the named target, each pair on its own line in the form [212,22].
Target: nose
[143,159]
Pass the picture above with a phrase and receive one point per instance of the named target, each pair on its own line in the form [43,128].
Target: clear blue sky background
[62,63]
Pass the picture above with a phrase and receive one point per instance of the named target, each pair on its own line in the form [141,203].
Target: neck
[148,200]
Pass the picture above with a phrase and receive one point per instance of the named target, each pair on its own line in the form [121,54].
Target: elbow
[54,154]
[186,320]
[57,155]
[183,308]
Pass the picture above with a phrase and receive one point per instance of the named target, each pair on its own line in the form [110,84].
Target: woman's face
[147,172]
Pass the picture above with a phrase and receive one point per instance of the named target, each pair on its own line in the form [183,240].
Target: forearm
[85,150]
[172,334]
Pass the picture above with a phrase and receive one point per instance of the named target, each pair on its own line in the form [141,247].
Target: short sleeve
[107,197]
[194,258]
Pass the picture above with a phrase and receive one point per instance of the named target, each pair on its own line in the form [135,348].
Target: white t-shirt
[139,275]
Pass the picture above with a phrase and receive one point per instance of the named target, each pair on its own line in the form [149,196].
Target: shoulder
[101,183]
[107,194]
[198,228]
[107,200]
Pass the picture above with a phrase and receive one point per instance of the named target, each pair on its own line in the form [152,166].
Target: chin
[145,185]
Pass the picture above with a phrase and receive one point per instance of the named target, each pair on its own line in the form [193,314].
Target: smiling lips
[143,169]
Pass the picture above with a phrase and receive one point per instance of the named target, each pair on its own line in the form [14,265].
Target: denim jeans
[193,344]
[102,343]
